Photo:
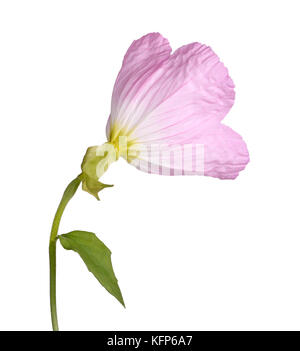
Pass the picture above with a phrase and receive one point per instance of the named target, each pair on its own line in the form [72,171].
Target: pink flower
[166,114]
[170,107]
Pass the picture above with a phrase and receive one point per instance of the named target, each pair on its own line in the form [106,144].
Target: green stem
[67,196]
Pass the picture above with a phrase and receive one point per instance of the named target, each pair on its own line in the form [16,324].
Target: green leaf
[97,258]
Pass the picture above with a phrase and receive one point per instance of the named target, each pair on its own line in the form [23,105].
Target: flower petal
[143,58]
[218,152]
[193,89]
[177,97]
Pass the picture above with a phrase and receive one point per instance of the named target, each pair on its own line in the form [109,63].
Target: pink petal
[219,152]
[143,58]
[193,89]
[225,152]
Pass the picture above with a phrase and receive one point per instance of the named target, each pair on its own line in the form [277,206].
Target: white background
[190,253]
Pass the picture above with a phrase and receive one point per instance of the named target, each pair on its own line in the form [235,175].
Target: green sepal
[93,186]
[95,162]
[97,258]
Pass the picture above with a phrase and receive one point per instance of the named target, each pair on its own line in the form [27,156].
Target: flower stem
[67,196]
